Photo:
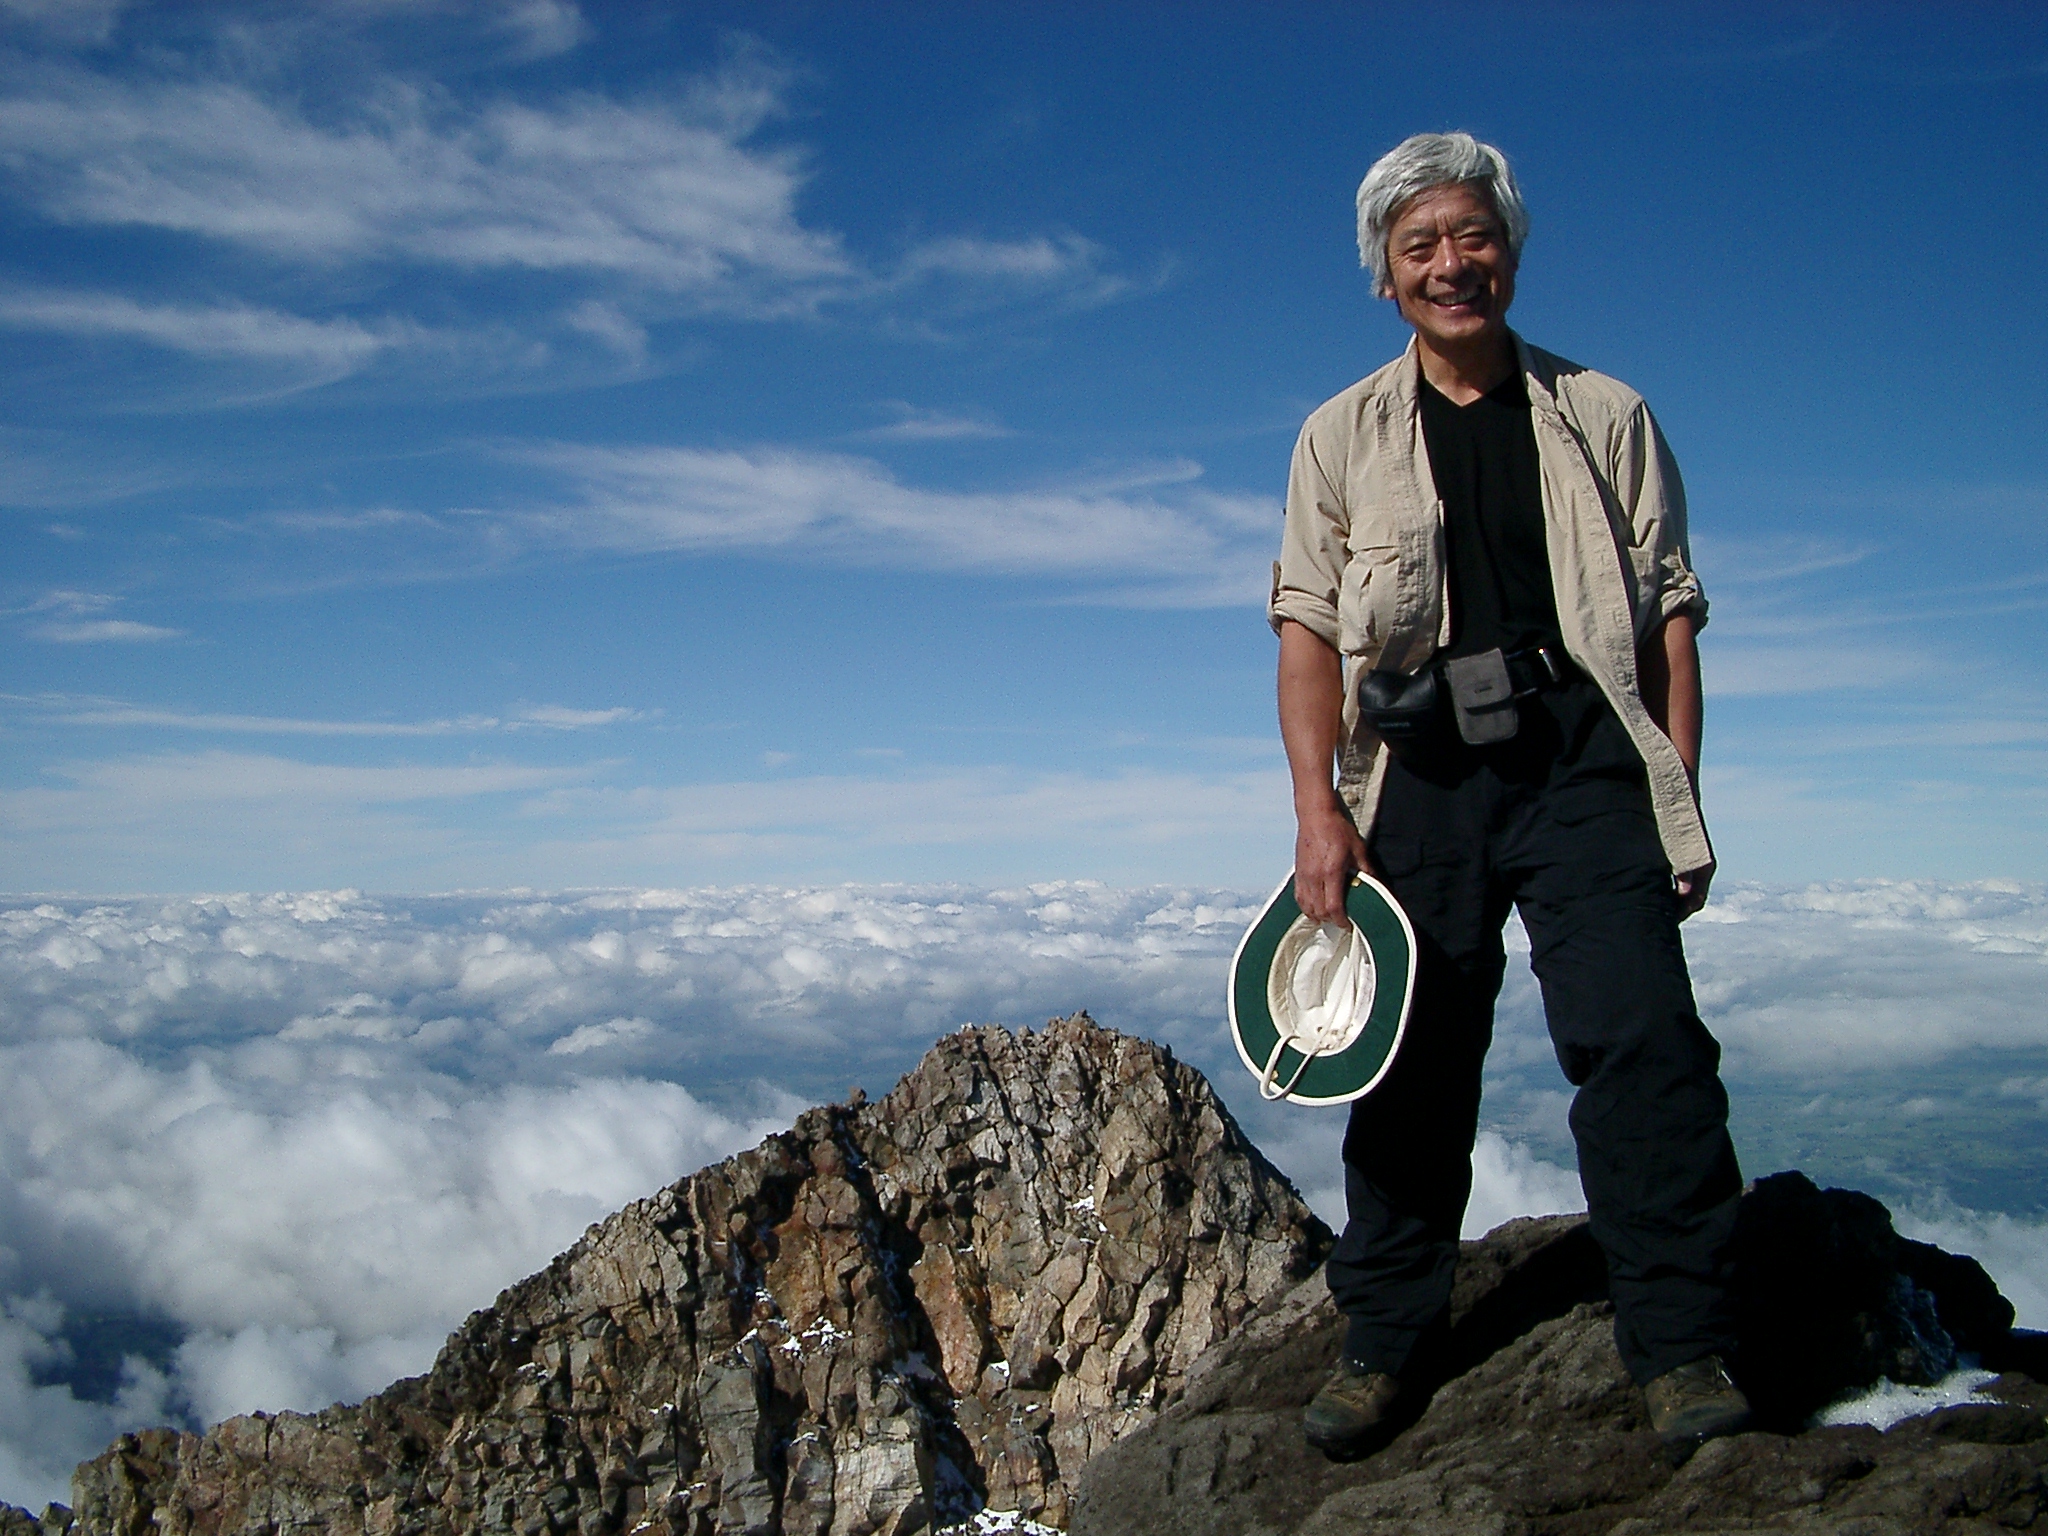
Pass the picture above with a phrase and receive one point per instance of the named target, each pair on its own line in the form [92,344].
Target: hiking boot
[1353,1414]
[1694,1404]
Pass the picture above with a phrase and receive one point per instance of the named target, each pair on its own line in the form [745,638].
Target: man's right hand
[1327,848]
[1327,852]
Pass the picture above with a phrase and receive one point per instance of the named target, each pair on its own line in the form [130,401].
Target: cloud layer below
[299,1136]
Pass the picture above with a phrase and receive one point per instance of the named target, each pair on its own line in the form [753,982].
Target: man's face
[1450,268]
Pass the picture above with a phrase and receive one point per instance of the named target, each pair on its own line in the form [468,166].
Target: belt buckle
[1552,674]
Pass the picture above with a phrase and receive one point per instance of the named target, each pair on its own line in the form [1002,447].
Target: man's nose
[1447,260]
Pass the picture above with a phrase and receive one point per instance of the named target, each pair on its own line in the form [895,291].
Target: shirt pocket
[1366,598]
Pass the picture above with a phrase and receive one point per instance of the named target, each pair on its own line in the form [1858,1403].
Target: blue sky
[465,446]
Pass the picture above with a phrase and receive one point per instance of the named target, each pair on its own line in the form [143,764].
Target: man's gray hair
[1422,164]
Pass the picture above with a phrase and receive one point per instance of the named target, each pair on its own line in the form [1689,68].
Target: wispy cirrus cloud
[658,202]
[100,631]
[540,29]
[1144,535]
[668,194]
[67,23]
[332,347]
[64,709]
[81,618]
[914,424]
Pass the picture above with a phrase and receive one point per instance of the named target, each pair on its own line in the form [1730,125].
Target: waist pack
[1481,692]
[1405,710]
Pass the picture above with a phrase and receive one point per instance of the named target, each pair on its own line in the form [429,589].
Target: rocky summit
[892,1316]
[1047,1284]
[1533,1428]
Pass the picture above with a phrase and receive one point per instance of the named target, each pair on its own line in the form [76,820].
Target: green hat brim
[1357,1069]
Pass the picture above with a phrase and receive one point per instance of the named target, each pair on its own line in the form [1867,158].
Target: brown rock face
[888,1317]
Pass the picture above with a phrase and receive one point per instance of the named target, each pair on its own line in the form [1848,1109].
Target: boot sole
[1677,1450]
[1346,1448]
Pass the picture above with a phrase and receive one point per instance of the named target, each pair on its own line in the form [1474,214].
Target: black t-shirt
[1483,459]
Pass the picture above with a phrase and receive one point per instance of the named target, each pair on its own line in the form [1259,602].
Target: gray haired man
[1490,697]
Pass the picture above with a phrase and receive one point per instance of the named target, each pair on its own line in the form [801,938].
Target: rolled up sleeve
[1309,574]
[1646,479]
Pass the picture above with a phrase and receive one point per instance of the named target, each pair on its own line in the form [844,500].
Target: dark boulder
[1826,1303]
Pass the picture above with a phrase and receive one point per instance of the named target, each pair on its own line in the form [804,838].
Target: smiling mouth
[1455,300]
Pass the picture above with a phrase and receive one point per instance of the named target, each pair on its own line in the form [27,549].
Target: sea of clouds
[264,1151]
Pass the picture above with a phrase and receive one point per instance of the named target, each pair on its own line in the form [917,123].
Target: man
[1485,520]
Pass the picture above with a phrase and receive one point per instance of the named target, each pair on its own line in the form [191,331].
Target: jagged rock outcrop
[1536,1430]
[889,1316]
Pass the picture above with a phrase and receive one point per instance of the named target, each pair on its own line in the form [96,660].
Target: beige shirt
[1362,560]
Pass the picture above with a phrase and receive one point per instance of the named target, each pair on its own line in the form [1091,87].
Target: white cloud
[1746,563]
[44,1429]
[68,23]
[592,1037]
[69,710]
[221,1374]
[1863,975]
[1887,1403]
[77,625]
[332,348]
[99,631]
[559,717]
[1040,257]
[2014,1249]
[1193,547]
[665,193]
[543,28]
[317,1243]
[653,206]
[915,425]
[1508,1181]
[608,324]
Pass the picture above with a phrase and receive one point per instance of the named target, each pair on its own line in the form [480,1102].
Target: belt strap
[1537,667]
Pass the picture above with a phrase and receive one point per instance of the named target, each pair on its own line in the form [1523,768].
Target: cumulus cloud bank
[292,1139]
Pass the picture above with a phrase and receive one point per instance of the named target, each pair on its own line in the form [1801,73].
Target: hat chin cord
[1267,1088]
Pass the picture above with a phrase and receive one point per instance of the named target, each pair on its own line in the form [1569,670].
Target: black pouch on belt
[1483,697]
[1403,710]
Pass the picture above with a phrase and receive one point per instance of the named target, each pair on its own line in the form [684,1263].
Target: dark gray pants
[1557,823]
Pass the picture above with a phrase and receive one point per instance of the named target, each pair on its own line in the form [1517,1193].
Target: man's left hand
[1692,890]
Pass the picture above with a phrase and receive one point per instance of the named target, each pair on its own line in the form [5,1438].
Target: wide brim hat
[1349,1056]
